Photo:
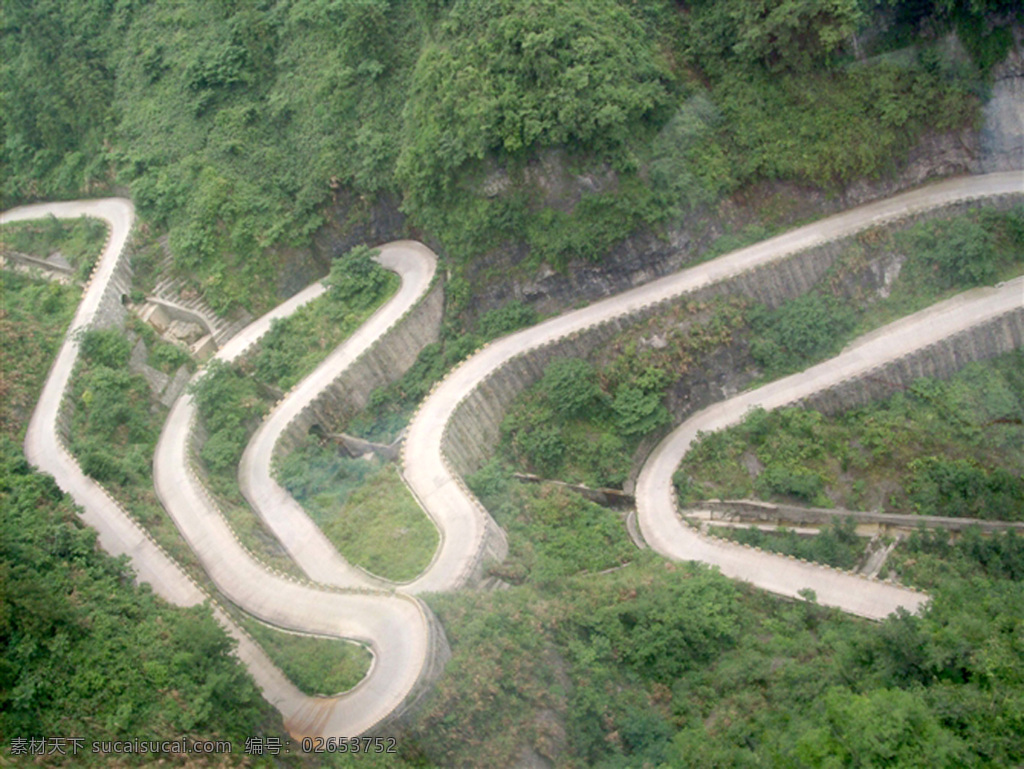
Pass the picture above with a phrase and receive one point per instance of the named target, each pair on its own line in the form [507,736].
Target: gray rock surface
[1002,134]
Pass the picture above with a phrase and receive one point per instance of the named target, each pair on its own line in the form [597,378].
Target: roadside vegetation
[116,421]
[72,664]
[583,422]
[114,426]
[666,664]
[78,240]
[34,317]
[317,666]
[948,448]
[558,128]
[88,654]
[390,408]
[836,544]
[930,261]
[554,533]
[295,345]
[364,508]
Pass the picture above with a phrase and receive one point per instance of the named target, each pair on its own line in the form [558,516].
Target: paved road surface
[301,537]
[395,627]
[457,513]
[655,496]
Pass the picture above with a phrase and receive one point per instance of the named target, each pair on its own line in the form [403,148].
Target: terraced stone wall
[939,361]
[473,432]
[390,357]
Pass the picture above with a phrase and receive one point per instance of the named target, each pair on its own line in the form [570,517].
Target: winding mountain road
[464,522]
[118,533]
[655,495]
[301,537]
[397,626]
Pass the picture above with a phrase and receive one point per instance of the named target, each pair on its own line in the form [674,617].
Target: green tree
[885,727]
[570,386]
[356,282]
[638,412]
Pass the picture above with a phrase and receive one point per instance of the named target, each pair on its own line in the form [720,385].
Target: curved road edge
[416,266]
[657,510]
[469,531]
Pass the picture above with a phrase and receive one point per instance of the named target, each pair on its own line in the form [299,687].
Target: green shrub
[228,404]
[800,330]
[570,386]
[805,485]
[105,347]
[356,282]
[505,319]
[960,488]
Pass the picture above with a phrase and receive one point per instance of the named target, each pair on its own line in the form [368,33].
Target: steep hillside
[541,133]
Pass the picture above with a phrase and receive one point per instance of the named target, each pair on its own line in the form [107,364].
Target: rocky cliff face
[1002,134]
[647,255]
[997,145]
[351,221]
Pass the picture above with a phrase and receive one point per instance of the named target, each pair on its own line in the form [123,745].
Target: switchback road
[396,626]
[465,525]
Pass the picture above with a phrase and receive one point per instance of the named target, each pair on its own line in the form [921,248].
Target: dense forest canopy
[234,124]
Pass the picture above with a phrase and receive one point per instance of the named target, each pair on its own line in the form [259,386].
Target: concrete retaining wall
[753,511]
[383,363]
[940,361]
[473,431]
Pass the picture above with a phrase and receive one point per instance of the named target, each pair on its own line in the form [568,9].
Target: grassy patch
[33,319]
[836,545]
[318,666]
[553,532]
[115,426]
[77,240]
[364,508]
[935,448]
[230,407]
